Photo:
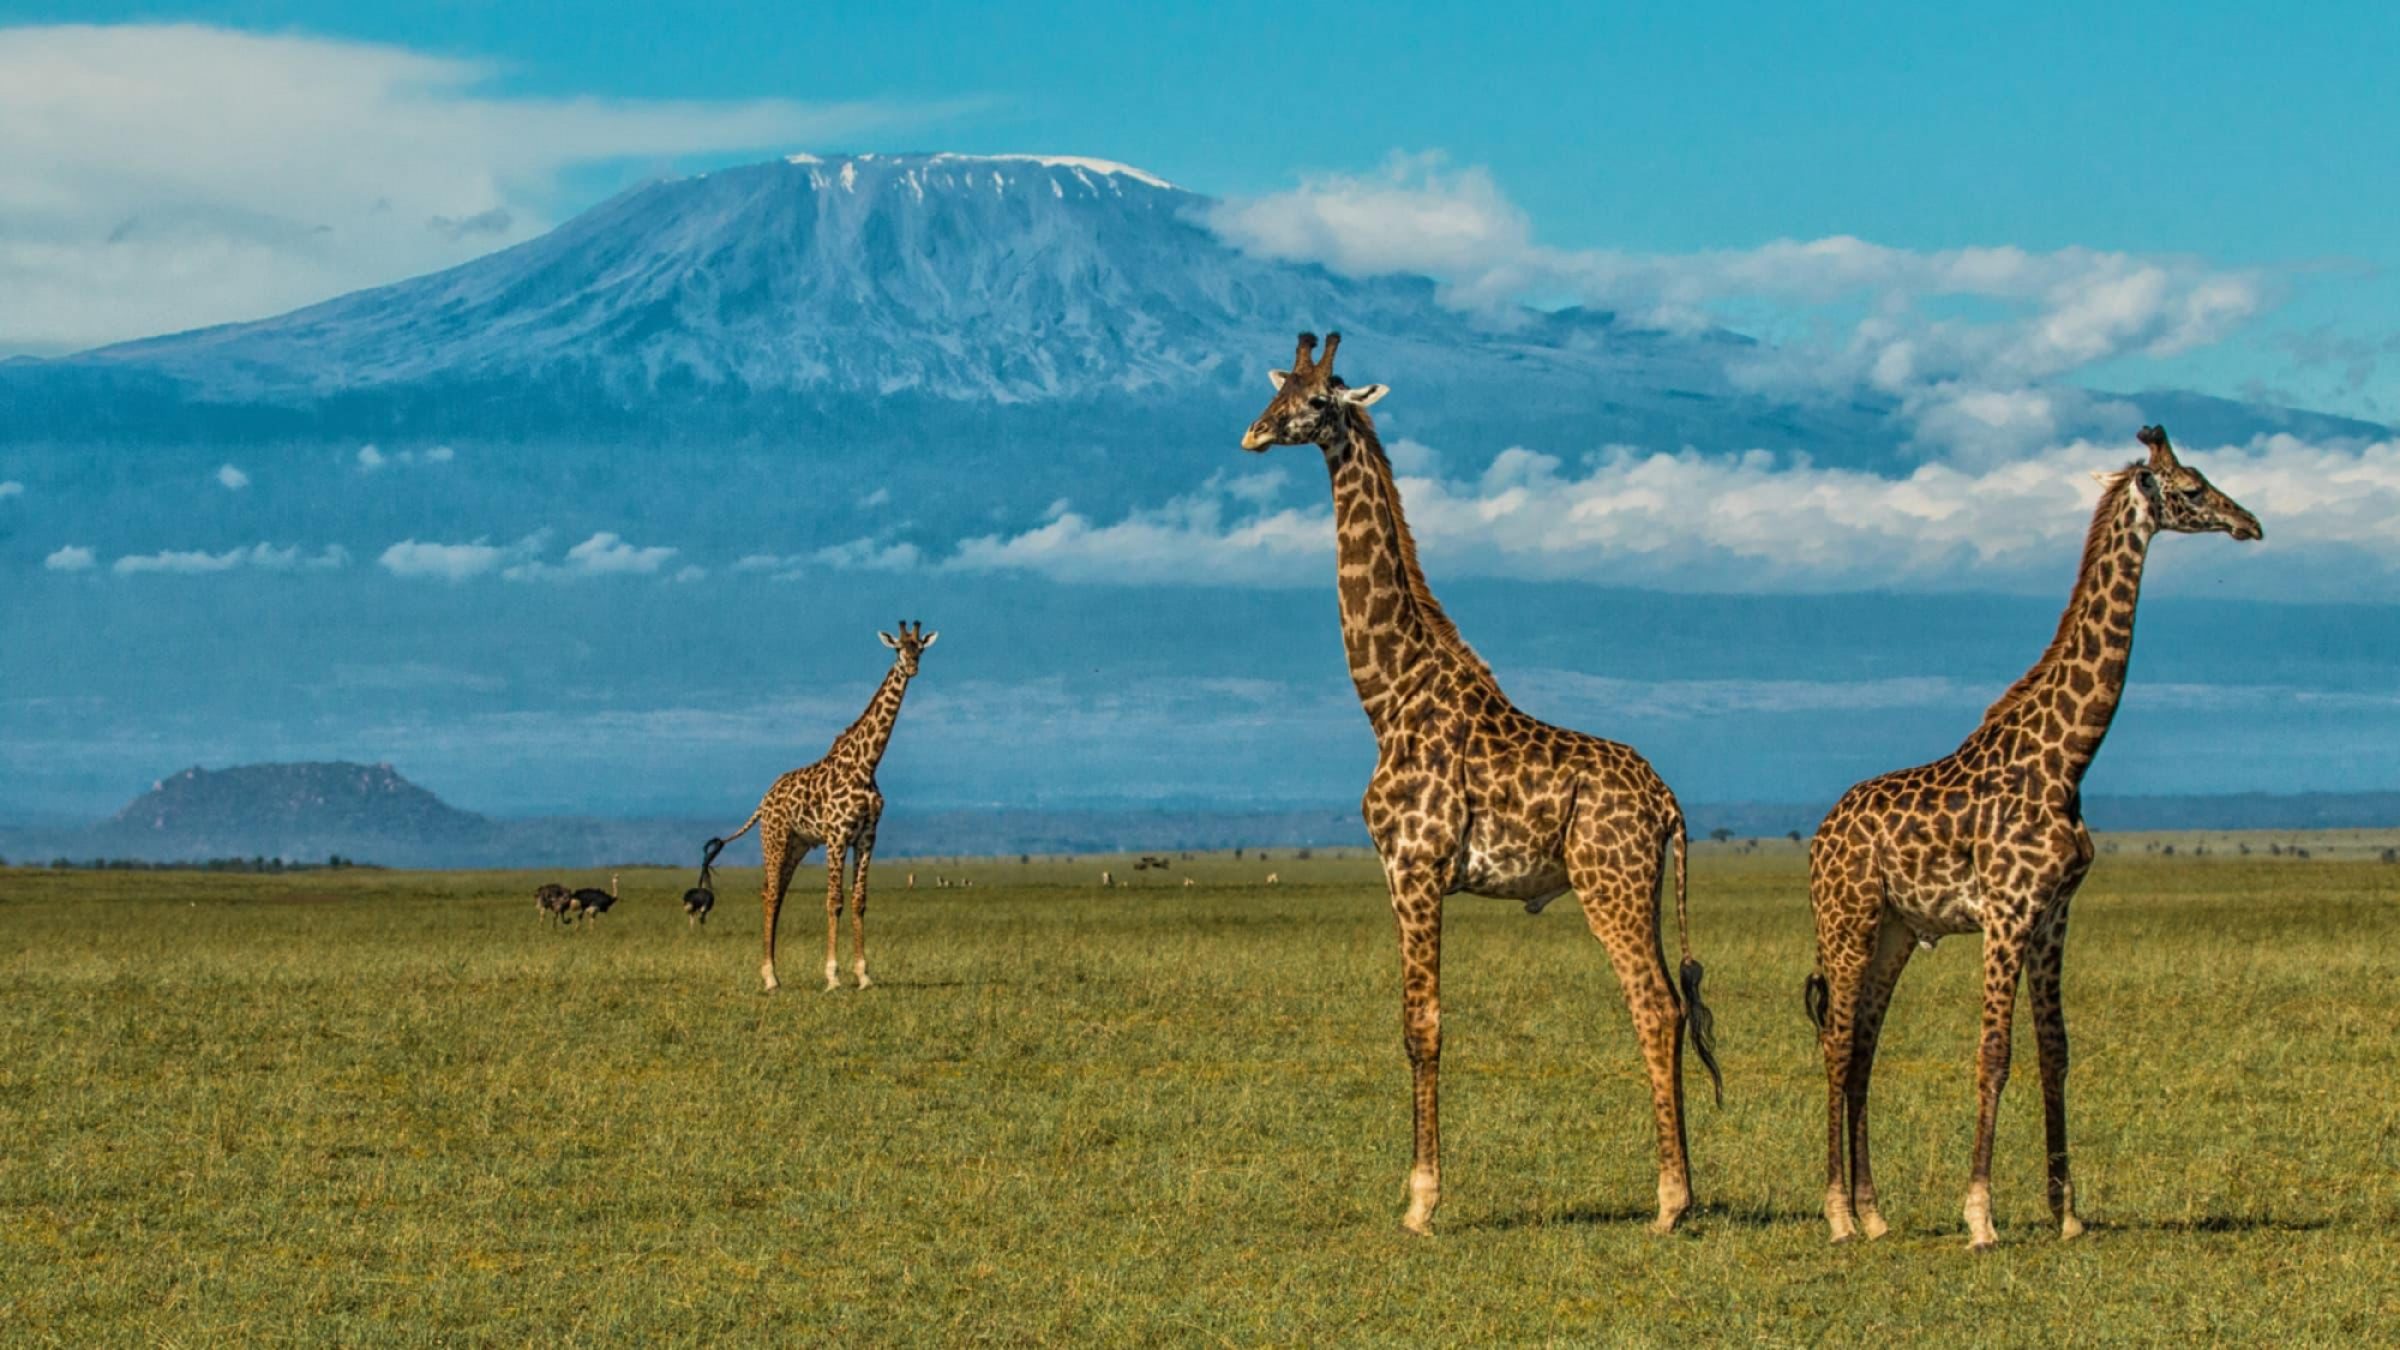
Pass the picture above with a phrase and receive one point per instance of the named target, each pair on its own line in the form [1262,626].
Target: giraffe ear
[1277,377]
[1366,395]
[889,641]
[930,639]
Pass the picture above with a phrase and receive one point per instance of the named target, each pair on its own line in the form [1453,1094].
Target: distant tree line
[333,863]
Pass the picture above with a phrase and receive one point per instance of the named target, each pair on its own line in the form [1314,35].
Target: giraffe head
[2180,499]
[911,643]
[1311,405]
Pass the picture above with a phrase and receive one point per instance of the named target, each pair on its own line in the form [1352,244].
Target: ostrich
[591,900]
[702,898]
[551,900]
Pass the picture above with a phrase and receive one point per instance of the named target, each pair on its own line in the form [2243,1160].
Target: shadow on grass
[1700,1217]
[2214,1223]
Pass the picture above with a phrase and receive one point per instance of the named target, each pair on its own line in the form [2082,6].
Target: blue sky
[2250,137]
[1964,213]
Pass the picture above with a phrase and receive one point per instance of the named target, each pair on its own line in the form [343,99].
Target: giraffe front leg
[836,854]
[858,912]
[2050,1031]
[1417,904]
[2003,955]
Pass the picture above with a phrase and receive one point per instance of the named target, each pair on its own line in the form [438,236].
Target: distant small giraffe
[1472,795]
[833,802]
[1990,839]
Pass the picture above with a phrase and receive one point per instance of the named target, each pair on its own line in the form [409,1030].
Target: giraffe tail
[1697,1017]
[1815,996]
[717,846]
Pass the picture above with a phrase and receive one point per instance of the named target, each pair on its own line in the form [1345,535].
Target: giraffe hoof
[1663,1227]
[864,982]
[1979,1246]
[1417,1227]
[2072,1228]
[1873,1226]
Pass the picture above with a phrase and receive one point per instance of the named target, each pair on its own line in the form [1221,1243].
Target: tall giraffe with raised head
[833,802]
[1989,840]
[1470,794]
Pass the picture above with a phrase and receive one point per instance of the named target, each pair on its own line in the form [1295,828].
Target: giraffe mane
[2113,487]
[1436,619]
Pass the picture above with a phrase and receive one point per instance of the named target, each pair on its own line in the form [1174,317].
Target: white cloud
[604,554]
[374,458]
[1749,522]
[1955,335]
[11,488]
[261,556]
[689,574]
[72,558]
[867,555]
[138,202]
[452,562]
[233,479]
[878,497]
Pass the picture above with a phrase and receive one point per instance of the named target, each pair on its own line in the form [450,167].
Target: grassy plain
[388,1107]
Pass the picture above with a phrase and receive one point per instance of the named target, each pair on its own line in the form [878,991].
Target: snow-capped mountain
[718,302]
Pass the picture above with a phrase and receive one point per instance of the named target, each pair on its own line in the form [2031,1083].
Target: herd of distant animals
[1472,795]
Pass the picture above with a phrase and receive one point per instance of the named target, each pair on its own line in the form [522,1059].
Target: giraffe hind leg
[1893,944]
[1620,905]
[782,859]
[1846,912]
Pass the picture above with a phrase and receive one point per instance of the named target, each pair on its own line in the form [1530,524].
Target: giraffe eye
[1319,401]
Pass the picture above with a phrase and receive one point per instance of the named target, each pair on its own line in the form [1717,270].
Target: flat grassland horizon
[385,1106]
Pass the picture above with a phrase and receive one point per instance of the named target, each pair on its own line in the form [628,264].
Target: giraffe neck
[864,742]
[2060,711]
[1393,630]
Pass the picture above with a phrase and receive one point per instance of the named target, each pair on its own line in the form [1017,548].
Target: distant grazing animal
[591,901]
[834,802]
[1188,881]
[1106,879]
[702,897]
[1990,839]
[551,900]
[1472,795]
[1274,878]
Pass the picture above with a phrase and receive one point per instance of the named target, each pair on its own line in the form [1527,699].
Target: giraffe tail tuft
[1696,1015]
[1814,996]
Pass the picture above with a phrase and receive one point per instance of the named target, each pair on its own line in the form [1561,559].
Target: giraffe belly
[1936,914]
[1508,873]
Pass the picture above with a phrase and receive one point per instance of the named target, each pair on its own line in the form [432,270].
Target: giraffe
[1991,840]
[833,802]
[1471,795]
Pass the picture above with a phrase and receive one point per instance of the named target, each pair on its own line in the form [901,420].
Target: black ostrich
[589,901]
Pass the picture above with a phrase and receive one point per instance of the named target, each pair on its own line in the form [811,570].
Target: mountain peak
[957,162]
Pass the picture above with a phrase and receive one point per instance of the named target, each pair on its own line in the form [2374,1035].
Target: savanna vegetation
[365,1106]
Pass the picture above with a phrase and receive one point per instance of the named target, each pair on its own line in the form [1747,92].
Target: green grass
[394,1107]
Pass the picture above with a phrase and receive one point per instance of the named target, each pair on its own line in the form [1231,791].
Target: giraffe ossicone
[1989,839]
[1472,795]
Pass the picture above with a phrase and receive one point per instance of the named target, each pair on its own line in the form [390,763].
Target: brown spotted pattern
[1472,795]
[1990,840]
[833,802]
